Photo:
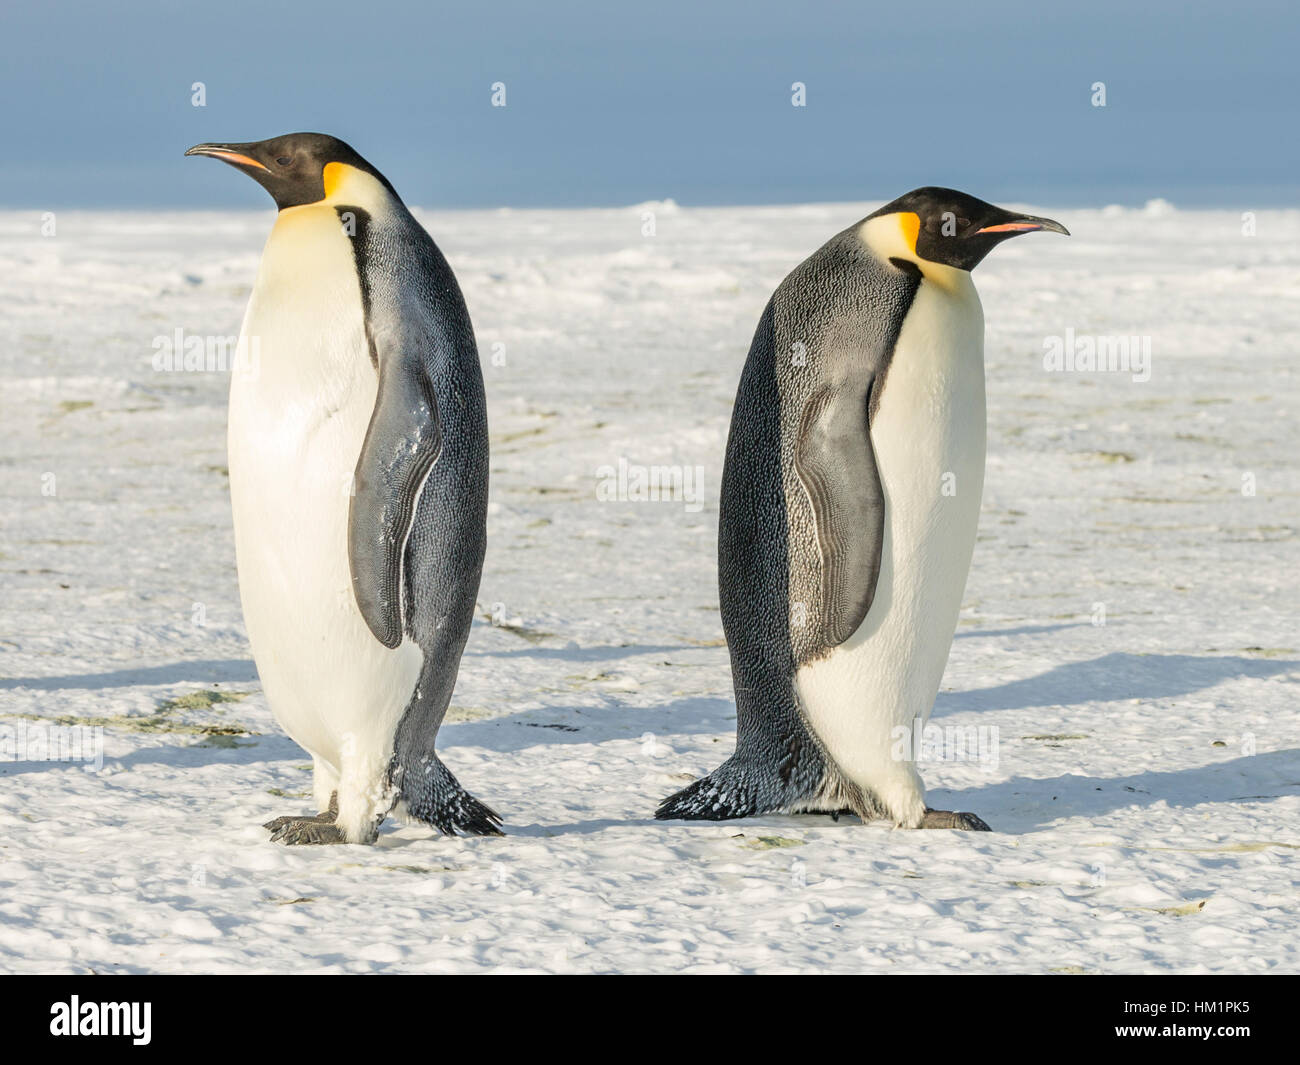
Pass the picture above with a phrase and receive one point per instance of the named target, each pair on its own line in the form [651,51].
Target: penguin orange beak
[1026,224]
[227,153]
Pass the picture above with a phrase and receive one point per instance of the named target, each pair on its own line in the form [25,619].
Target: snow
[1146,789]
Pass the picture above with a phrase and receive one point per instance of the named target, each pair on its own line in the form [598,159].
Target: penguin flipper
[837,466]
[402,444]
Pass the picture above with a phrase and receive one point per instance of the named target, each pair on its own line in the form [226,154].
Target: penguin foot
[306,830]
[319,828]
[953,819]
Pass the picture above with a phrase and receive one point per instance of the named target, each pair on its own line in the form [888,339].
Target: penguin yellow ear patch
[333,176]
[910,224]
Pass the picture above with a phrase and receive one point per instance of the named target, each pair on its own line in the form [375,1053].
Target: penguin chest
[929,439]
[298,418]
[928,435]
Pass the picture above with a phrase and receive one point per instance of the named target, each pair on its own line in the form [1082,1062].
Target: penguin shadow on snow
[1023,804]
[1020,804]
[1112,678]
[206,671]
[1021,630]
[503,734]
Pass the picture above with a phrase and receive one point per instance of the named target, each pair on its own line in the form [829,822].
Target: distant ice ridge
[668,206]
[1157,208]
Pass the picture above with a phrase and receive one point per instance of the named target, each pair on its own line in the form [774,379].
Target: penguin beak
[234,154]
[1025,224]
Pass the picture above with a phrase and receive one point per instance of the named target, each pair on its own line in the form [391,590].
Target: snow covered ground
[1146,788]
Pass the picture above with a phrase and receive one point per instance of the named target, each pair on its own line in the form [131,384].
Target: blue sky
[609,105]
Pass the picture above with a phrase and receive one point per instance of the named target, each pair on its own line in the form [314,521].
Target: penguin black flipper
[401,446]
[416,525]
[837,467]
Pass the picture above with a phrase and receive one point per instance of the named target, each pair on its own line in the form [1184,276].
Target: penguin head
[948,228]
[296,169]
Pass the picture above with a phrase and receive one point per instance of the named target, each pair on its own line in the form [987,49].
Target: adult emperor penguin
[358,478]
[850,499]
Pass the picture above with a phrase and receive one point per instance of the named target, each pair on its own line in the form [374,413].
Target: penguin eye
[963,222]
[284,160]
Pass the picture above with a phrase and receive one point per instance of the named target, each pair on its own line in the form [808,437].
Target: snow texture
[1146,789]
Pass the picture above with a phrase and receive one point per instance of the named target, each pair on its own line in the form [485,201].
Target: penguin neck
[893,236]
[313,243]
[349,186]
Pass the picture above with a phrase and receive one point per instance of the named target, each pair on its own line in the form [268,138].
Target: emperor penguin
[358,458]
[850,500]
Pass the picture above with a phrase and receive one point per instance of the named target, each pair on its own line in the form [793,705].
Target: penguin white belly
[298,417]
[929,439]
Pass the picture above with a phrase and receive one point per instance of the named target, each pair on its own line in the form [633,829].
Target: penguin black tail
[786,775]
[433,795]
[730,791]
[758,779]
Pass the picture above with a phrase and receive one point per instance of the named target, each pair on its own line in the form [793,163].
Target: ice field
[1128,637]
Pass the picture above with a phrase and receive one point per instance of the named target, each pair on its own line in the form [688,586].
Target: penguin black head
[296,169]
[950,228]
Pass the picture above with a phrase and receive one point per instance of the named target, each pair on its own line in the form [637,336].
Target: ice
[1145,765]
